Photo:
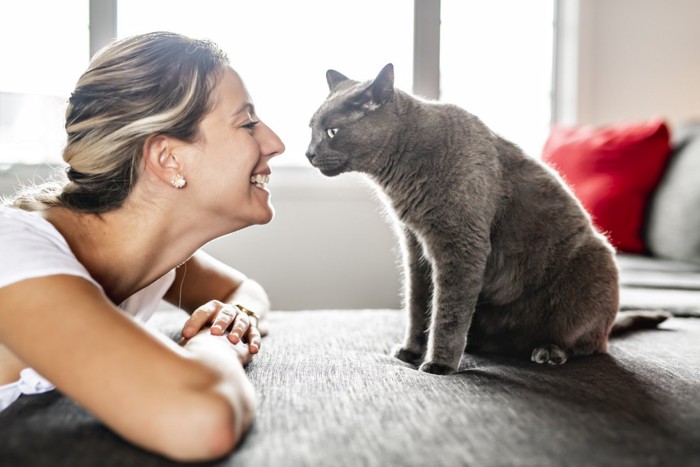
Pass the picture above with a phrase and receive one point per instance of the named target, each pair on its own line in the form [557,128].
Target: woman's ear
[159,159]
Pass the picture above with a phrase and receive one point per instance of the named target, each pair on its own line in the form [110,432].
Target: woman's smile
[260,180]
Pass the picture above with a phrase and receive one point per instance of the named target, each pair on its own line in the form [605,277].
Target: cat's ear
[380,91]
[334,78]
[382,87]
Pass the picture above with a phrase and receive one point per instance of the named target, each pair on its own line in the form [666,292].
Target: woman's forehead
[230,92]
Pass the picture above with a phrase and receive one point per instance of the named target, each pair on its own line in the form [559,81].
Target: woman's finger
[254,339]
[199,318]
[240,326]
[223,319]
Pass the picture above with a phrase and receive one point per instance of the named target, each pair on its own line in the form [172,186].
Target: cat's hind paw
[406,355]
[436,368]
[551,354]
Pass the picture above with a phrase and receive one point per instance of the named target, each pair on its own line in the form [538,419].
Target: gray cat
[499,256]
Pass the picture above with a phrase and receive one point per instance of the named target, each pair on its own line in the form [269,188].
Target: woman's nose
[271,144]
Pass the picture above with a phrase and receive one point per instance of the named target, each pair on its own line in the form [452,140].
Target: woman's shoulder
[19,227]
[15,220]
[31,247]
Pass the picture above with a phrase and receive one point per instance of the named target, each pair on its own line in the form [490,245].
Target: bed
[329,393]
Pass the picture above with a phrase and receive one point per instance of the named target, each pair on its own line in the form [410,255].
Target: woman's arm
[191,403]
[204,287]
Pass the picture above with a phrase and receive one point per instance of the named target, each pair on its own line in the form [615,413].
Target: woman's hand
[204,337]
[202,278]
[223,317]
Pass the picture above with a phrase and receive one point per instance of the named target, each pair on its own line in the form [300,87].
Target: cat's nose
[310,156]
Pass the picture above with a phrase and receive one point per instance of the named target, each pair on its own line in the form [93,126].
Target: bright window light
[283,48]
[496,62]
[44,47]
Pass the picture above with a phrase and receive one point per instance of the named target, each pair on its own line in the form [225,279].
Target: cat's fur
[498,254]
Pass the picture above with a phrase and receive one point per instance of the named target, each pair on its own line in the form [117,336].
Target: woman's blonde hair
[156,83]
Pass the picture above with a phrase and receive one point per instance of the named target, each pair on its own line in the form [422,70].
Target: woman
[164,154]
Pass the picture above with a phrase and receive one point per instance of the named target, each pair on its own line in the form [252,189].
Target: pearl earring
[178,181]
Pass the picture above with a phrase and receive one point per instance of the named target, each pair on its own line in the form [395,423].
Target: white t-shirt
[31,247]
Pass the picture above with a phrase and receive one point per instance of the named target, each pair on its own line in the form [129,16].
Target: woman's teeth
[260,180]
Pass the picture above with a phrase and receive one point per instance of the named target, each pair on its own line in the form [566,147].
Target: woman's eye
[331,132]
[251,125]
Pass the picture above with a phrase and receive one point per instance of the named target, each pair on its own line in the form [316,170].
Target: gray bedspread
[652,283]
[330,395]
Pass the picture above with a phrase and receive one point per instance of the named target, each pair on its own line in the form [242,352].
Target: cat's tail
[630,320]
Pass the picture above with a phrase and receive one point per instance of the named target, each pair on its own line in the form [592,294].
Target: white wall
[328,246]
[636,59]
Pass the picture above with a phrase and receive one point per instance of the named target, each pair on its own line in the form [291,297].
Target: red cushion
[613,170]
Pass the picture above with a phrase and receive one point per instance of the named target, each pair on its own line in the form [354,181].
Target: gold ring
[247,311]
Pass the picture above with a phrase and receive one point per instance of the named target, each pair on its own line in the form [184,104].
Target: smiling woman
[161,136]
[225,159]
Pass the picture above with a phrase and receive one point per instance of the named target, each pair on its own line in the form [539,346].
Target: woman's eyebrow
[246,106]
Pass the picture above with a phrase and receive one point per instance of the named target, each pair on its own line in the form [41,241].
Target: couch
[329,394]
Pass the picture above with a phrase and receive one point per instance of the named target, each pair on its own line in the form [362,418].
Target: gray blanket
[652,283]
[330,395]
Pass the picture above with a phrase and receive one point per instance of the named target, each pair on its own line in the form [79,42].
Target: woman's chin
[261,216]
[265,216]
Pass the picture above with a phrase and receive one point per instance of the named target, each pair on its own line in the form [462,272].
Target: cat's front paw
[552,354]
[436,368]
[406,355]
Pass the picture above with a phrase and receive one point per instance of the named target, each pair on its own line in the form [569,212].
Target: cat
[499,256]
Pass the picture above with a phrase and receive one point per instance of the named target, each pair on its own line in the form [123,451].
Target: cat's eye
[331,132]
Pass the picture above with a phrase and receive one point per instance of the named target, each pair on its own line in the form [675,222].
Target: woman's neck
[123,250]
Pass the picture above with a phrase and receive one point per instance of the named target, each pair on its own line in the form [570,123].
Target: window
[495,59]
[283,48]
[44,47]
[496,62]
